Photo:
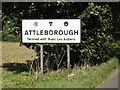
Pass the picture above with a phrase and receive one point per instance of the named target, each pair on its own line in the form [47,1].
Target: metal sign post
[68,59]
[41,58]
[52,31]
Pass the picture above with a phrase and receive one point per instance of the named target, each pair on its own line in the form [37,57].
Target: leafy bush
[96,25]
[96,38]
[12,38]
[9,28]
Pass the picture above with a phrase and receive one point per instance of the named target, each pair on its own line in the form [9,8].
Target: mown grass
[85,77]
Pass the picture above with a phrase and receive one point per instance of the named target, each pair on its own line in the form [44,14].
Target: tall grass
[85,77]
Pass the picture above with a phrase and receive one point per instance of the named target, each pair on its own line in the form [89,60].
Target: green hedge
[95,46]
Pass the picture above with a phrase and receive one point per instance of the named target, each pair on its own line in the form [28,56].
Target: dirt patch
[14,53]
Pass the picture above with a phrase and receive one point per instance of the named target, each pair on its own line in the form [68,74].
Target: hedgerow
[96,25]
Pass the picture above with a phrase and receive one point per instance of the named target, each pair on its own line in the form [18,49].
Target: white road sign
[51,31]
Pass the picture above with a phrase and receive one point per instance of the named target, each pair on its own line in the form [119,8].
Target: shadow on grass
[24,67]
[16,67]
[21,67]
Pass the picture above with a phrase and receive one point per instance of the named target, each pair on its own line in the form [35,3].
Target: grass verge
[85,77]
[9,42]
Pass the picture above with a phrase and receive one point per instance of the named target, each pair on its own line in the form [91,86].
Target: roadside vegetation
[85,77]
[92,61]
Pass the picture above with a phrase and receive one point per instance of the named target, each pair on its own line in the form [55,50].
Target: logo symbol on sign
[35,24]
[65,23]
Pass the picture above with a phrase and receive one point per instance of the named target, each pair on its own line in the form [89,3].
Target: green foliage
[9,28]
[96,38]
[116,20]
[8,25]
[12,38]
[85,77]
[96,26]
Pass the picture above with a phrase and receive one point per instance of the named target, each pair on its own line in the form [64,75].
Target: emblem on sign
[65,23]
[35,24]
[51,31]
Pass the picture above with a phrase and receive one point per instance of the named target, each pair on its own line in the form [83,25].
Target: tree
[96,29]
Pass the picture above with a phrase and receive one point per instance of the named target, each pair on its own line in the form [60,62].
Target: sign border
[51,43]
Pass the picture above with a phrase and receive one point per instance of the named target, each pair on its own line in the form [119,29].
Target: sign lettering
[51,31]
